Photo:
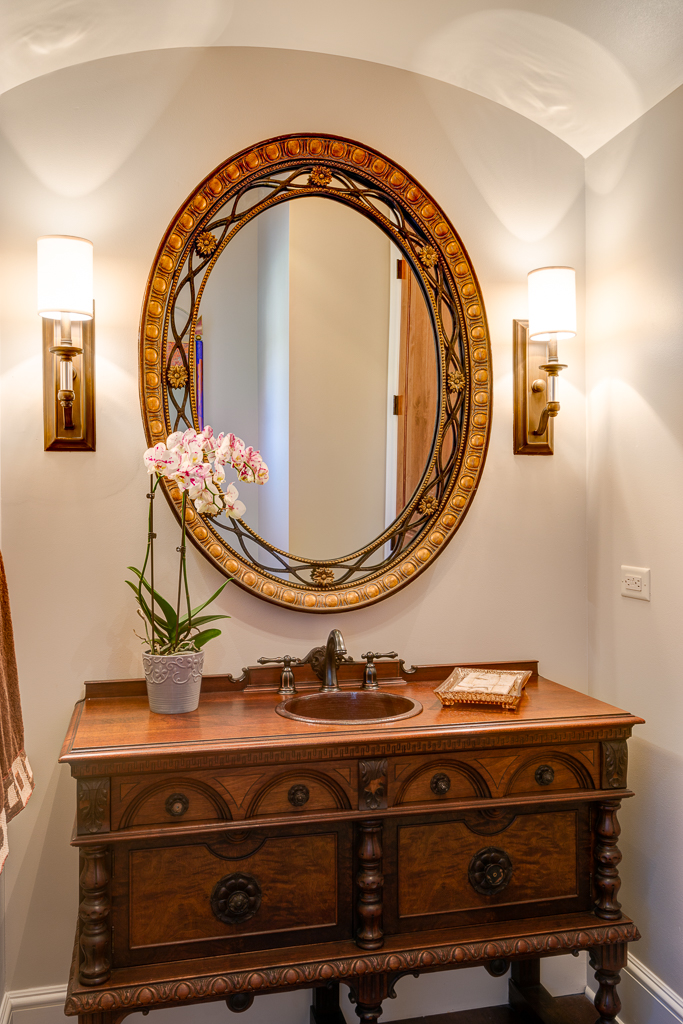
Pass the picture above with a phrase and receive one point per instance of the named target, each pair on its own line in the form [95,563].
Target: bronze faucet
[335,650]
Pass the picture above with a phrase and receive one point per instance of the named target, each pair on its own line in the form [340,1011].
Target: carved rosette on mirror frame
[361,178]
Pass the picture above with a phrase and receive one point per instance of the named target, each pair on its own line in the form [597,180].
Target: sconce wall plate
[81,438]
[529,398]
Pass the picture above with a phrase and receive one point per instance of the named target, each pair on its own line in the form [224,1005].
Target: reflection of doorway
[415,404]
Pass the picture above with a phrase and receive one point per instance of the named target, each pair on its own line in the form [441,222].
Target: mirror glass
[319,350]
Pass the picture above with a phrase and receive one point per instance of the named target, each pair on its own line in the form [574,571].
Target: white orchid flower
[161,461]
[209,500]
[233,507]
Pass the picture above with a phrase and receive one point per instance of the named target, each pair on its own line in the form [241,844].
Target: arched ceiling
[583,69]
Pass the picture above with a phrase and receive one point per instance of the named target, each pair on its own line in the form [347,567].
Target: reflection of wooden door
[416,402]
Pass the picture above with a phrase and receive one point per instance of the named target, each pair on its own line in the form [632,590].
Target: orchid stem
[149,557]
[181,549]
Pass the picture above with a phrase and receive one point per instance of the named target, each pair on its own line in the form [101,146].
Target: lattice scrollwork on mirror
[272,173]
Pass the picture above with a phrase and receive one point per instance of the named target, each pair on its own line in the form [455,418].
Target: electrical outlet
[635,582]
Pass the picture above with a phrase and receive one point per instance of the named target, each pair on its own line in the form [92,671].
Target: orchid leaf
[199,607]
[203,619]
[202,638]
[167,609]
[159,624]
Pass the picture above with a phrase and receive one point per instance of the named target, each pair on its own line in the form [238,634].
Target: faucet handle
[370,674]
[287,686]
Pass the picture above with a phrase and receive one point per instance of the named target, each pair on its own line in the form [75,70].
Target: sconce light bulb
[65,277]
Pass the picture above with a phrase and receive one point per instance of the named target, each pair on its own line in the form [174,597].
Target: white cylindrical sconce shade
[65,277]
[552,303]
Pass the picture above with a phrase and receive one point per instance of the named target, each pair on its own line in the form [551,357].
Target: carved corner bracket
[372,785]
[92,806]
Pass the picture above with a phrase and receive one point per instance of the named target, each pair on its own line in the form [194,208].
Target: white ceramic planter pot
[174,681]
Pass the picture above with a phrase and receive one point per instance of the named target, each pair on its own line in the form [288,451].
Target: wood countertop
[114,724]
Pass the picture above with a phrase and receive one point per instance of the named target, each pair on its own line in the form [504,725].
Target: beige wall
[635,487]
[109,150]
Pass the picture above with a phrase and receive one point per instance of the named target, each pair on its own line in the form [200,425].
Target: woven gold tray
[483,686]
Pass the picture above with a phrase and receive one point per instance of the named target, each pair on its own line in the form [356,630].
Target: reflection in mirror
[319,348]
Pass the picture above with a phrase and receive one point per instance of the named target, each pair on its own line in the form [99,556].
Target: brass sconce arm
[553,369]
[67,350]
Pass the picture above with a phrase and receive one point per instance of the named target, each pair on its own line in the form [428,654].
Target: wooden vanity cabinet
[230,852]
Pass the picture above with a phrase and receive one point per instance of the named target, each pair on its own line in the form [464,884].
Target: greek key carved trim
[418,745]
[219,986]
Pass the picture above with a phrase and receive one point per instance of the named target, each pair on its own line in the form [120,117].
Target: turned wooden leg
[369,991]
[115,1017]
[526,972]
[525,992]
[370,881]
[325,1008]
[608,962]
[95,933]
[607,858]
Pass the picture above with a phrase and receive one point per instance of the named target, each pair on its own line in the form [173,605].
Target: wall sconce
[65,302]
[552,318]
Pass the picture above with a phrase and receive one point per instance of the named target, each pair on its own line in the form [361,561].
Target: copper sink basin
[349,707]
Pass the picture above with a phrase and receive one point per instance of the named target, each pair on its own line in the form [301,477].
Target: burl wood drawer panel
[508,772]
[447,868]
[223,895]
[232,795]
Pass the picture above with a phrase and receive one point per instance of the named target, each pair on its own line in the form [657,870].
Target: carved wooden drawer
[166,800]
[554,769]
[230,892]
[424,780]
[487,865]
[231,795]
[414,780]
[281,791]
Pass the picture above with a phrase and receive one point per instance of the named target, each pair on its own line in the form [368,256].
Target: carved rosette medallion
[298,795]
[177,804]
[544,775]
[236,898]
[194,240]
[490,871]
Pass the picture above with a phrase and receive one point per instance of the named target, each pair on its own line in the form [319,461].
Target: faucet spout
[335,648]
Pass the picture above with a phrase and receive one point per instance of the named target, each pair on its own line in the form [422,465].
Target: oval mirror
[311,298]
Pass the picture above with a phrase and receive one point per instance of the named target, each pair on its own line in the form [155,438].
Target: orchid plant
[195,463]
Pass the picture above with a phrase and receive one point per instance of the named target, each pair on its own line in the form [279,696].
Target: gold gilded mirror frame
[354,174]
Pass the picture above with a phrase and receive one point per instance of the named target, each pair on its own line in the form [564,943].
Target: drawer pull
[440,784]
[236,898]
[177,804]
[298,795]
[490,871]
[544,775]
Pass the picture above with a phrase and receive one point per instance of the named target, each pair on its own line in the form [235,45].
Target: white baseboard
[32,999]
[659,1001]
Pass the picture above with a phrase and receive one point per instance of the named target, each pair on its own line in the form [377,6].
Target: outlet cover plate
[635,582]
